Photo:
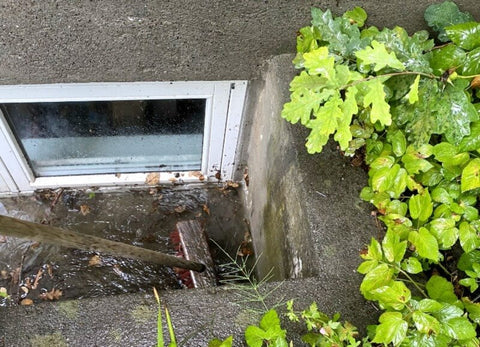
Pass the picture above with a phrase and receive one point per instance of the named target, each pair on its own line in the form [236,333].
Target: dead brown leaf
[26,302]
[4,274]
[24,289]
[206,209]
[84,209]
[199,175]
[232,184]
[475,82]
[3,239]
[38,277]
[50,270]
[172,179]
[95,261]
[54,294]
[180,209]
[152,178]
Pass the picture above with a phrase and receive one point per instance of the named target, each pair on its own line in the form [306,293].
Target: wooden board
[195,248]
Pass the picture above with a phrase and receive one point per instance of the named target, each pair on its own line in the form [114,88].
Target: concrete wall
[53,41]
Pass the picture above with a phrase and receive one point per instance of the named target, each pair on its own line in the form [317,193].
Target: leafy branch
[412,110]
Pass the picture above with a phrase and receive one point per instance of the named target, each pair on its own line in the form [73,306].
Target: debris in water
[54,294]
[84,209]
[26,302]
[180,209]
[152,178]
[206,209]
[95,261]
[38,277]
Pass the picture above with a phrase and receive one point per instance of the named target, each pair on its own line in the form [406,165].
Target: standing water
[33,272]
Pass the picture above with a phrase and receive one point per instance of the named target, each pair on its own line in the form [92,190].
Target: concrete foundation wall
[125,40]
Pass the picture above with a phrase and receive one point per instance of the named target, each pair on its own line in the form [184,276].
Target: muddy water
[144,218]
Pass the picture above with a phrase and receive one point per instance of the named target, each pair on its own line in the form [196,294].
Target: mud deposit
[33,272]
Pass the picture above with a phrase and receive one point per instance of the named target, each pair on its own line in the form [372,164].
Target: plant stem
[445,269]
[417,285]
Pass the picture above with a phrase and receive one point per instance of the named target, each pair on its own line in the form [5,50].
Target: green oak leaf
[305,82]
[471,175]
[319,62]
[438,16]
[349,108]
[302,105]
[324,124]
[392,329]
[425,244]
[375,96]
[413,93]
[377,55]
[342,37]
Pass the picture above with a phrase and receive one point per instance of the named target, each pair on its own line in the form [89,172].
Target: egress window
[97,137]
[88,133]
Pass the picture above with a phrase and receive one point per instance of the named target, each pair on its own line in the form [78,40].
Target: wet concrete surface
[34,272]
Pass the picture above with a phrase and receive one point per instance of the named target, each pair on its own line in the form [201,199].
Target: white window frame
[223,114]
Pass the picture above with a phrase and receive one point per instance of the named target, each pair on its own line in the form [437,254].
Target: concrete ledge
[130,320]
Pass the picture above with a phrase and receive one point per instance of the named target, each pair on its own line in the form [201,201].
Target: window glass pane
[95,137]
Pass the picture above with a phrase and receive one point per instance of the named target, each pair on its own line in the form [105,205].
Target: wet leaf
[465,35]
[392,329]
[471,63]
[4,274]
[38,277]
[206,209]
[447,57]
[356,16]
[425,244]
[378,56]
[438,288]
[95,261]
[26,302]
[54,294]
[152,178]
[438,16]
[180,209]
[84,209]
[471,175]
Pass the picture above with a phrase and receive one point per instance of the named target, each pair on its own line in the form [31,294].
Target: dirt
[32,272]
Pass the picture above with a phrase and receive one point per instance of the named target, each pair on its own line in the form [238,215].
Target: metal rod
[44,233]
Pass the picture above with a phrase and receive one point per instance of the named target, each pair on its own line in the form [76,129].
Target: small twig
[59,194]
[321,194]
